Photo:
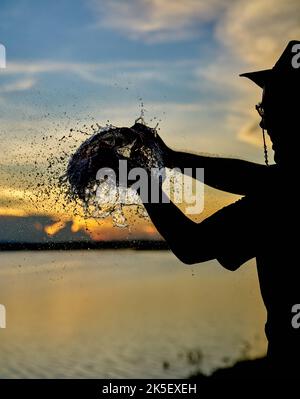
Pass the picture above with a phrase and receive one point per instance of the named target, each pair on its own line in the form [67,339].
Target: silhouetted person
[264,223]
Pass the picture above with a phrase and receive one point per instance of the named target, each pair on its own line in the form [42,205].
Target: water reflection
[101,314]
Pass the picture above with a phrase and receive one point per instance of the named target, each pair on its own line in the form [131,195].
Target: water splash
[35,179]
[104,149]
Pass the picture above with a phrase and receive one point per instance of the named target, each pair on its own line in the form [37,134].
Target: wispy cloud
[254,30]
[250,133]
[257,31]
[19,85]
[156,20]
[99,73]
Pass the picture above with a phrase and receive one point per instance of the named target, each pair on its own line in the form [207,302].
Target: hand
[164,150]
[148,151]
[149,148]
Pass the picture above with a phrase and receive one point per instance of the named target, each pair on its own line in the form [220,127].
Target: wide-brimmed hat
[287,66]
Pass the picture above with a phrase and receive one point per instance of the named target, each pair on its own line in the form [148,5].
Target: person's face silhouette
[279,121]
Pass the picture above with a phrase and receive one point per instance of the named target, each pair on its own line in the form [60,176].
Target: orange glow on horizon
[54,228]
[13,212]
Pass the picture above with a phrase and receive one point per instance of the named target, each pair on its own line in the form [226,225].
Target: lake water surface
[124,314]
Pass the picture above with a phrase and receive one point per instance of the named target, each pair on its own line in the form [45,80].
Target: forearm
[181,233]
[232,175]
[169,221]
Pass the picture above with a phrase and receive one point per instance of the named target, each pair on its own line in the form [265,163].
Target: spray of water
[104,149]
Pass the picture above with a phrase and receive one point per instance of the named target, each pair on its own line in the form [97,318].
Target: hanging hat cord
[265,148]
[259,108]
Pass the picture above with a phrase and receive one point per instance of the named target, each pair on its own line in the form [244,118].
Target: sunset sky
[76,62]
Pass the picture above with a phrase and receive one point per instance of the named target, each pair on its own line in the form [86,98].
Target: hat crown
[289,61]
[288,65]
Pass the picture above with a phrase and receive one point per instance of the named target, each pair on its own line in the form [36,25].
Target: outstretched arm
[232,175]
[235,176]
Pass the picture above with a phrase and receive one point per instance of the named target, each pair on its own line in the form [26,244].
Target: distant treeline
[77,245]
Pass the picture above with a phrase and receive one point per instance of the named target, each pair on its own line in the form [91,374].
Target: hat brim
[259,77]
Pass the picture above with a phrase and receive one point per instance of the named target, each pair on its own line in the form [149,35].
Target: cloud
[257,31]
[50,66]
[19,85]
[254,30]
[9,192]
[156,20]
[251,133]
[251,35]
[54,228]
[12,212]
[106,73]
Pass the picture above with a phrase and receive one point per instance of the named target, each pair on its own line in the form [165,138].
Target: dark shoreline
[250,369]
[84,245]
